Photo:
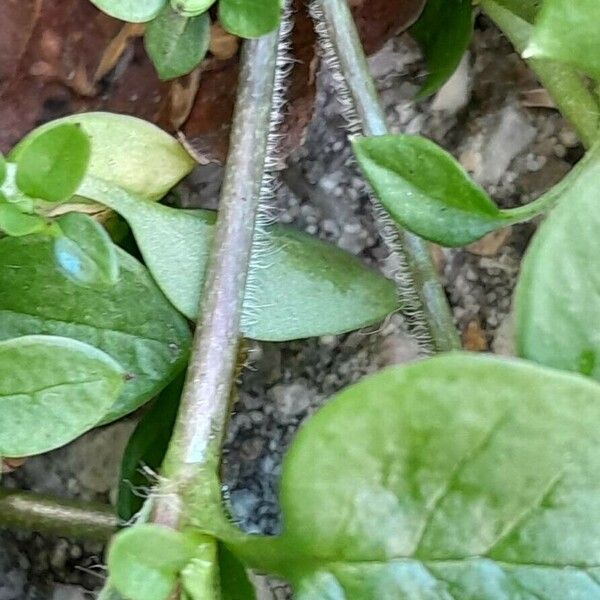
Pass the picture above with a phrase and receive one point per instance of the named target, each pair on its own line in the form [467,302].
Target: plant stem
[421,294]
[192,462]
[565,85]
[68,518]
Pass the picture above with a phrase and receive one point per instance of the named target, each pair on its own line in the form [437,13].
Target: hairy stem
[564,84]
[33,512]
[192,463]
[422,296]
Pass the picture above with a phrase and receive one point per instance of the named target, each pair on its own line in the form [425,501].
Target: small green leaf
[131,321]
[309,288]
[146,448]
[16,223]
[235,584]
[443,31]
[557,301]
[426,190]
[51,391]
[524,9]
[191,8]
[176,44]
[134,11]
[200,577]
[85,252]
[2,168]
[144,561]
[126,151]
[51,165]
[249,18]
[460,476]
[568,32]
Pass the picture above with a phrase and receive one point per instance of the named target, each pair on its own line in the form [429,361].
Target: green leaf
[131,321]
[134,11]
[15,222]
[84,251]
[568,32]
[51,165]
[191,8]
[144,561]
[249,18]
[443,31]
[2,168]
[200,577]
[298,286]
[420,482]
[127,152]
[235,584]
[146,448]
[557,302]
[524,9]
[52,390]
[176,44]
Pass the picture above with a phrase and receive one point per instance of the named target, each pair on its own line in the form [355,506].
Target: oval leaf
[557,302]
[51,165]
[249,18]
[176,44]
[51,391]
[298,286]
[443,31]
[127,152]
[420,482]
[85,252]
[130,321]
[134,11]
[16,223]
[426,190]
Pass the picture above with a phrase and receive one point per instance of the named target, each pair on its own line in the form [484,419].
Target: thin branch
[68,518]
[422,296]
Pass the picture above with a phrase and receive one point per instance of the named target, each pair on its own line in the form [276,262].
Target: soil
[495,120]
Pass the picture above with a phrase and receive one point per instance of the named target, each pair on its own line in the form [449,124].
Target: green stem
[422,296]
[566,87]
[68,518]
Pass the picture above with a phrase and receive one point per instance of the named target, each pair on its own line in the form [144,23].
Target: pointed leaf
[85,252]
[176,44]
[130,321]
[51,165]
[249,18]
[51,391]
[134,11]
[309,288]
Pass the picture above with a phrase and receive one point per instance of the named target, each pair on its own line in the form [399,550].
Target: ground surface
[485,118]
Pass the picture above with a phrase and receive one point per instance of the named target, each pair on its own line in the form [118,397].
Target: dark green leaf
[2,168]
[51,165]
[568,32]
[176,44]
[127,152]
[134,11]
[191,8]
[15,222]
[131,321]
[235,584]
[146,449]
[459,477]
[249,18]
[85,252]
[309,288]
[557,301]
[52,390]
[443,31]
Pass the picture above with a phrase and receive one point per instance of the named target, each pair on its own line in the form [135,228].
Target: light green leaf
[51,165]
[200,576]
[127,152]
[15,222]
[568,32]
[134,11]
[443,31]
[191,8]
[249,18]
[176,44]
[557,300]
[52,390]
[131,321]
[460,477]
[298,286]
[85,252]
[144,561]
